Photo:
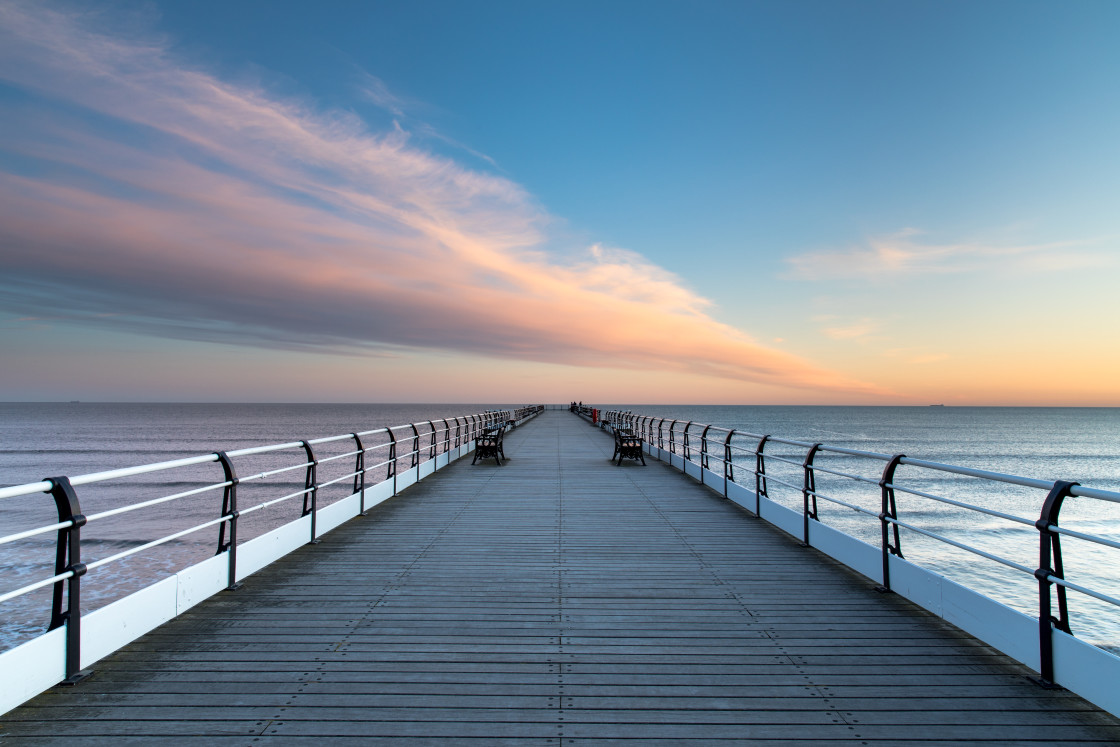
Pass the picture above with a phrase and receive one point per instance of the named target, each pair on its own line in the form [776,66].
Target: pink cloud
[167,200]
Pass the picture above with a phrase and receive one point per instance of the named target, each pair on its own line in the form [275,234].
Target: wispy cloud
[904,253]
[374,90]
[186,206]
[857,330]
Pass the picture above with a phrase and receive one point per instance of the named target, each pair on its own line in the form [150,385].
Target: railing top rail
[112,474]
[1103,495]
[856,452]
[15,491]
[1026,482]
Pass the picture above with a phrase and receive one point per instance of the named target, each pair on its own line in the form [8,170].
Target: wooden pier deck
[558,600]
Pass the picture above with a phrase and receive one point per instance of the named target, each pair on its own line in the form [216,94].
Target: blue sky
[918,200]
[871,116]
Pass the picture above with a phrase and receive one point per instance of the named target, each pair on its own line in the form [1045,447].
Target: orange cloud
[186,206]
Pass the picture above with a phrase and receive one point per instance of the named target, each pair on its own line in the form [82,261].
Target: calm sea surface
[1081,444]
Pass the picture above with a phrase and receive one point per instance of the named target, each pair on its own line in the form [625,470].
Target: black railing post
[1050,566]
[808,490]
[415,446]
[684,445]
[391,469]
[661,434]
[447,439]
[703,452]
[760,474]
[229,508]
[728,467]
[432,442]
[888,511]
[311,490]
[360,473]
[68,559]
[672,441]
[458,433]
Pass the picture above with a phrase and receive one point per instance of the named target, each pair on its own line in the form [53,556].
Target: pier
[559,599]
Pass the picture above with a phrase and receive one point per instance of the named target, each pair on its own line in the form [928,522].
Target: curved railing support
[68,560]
[415,446]
[703,452]
[728,467]
[1050,567]
[391,461]
[760,474]
[809,491]
[446,436]
[360,473]
[311,490]
[229,508]
[888,514]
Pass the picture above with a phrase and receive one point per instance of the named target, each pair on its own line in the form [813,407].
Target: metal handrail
[1050,574]
[69,569]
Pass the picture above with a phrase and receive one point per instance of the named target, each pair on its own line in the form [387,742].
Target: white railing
[374,466]
[784,482]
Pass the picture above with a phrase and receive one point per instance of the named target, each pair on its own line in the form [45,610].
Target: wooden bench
[489,444]
[627,446]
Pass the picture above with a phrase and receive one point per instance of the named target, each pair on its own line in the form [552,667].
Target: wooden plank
[559,599]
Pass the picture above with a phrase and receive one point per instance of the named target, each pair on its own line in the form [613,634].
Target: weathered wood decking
[559,599]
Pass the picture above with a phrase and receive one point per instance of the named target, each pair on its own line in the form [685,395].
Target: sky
[796,202]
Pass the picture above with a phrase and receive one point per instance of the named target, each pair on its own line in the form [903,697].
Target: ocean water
[1081,444]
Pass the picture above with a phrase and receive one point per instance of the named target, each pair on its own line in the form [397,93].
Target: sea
[39,440]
